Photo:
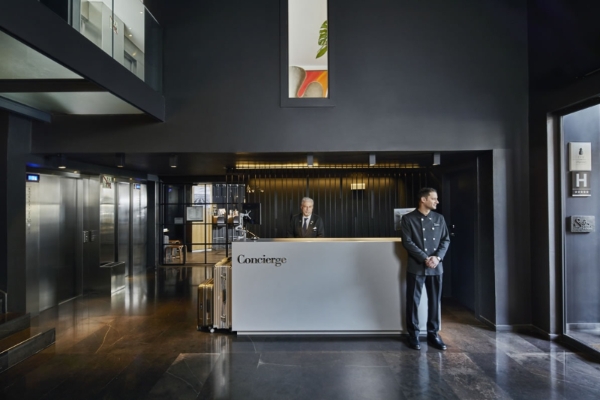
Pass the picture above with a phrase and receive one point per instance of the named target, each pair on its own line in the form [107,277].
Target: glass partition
[199,221]
[124,29]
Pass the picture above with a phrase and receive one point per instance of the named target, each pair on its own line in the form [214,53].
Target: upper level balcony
[47,54]
[124,29]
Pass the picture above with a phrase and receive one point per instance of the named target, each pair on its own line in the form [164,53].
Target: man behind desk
[306,224]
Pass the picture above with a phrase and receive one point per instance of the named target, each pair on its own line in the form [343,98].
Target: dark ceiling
[214,164]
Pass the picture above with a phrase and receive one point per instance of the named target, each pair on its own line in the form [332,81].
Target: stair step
[16,338]
[23,346]
[11,323]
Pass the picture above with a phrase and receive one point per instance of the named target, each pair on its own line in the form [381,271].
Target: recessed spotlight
[62,162]
[173,161]
[120,160]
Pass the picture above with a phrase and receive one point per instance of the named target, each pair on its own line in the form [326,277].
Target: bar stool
[174,249]
[220,232]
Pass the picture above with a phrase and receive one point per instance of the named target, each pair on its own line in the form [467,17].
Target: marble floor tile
[514,378]
[563,373]
[143,343]
[185,377]
[465,378]
[416,376]
[248,376]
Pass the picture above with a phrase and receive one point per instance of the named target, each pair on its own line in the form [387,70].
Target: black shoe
[436,341]
[413,343]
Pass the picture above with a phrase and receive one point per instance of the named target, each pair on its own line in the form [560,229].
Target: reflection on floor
[591,337]
[143,343]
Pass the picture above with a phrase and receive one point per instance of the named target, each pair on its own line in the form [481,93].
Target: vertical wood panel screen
[357,203]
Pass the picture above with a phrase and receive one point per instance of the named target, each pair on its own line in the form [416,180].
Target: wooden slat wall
[346,212]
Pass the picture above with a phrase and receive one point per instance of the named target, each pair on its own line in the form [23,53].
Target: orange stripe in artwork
[319,76]
[322,79]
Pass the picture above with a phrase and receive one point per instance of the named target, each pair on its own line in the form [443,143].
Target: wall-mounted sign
[581,184]
[582,223]
[580,156]
[106,181]
[178,220]
[32,178]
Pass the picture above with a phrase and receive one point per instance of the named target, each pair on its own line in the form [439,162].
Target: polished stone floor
[143,343]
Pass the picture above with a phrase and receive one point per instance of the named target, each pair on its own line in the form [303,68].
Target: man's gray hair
[305,199]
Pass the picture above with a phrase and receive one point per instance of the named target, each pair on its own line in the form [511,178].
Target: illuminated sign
[32,178]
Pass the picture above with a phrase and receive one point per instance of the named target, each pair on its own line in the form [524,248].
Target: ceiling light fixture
[62,162]
[173,161]
[372,159]
[120,160]
[310,160]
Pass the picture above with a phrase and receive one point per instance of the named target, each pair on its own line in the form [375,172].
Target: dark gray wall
[429,75]
[563,42]
[485,291]
[409,75]
[563,37]
[15,142]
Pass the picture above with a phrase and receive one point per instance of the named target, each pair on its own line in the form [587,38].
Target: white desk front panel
[321,286]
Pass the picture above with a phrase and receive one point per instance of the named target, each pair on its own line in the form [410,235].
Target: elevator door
[52,240]
[69,235]
[123,213]
[139,221]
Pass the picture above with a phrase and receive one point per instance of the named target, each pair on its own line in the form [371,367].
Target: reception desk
[316,286]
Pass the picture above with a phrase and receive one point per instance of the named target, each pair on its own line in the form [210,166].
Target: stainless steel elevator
[53,222]
[73,225]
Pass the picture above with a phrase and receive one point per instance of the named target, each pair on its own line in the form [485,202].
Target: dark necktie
[305,225]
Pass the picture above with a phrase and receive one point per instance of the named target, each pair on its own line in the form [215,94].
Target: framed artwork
[195,213]
[307,78]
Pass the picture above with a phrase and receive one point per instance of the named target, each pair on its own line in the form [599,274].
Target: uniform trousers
[414,287]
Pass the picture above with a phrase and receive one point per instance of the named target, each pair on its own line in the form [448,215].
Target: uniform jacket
[424,236]
[316,228]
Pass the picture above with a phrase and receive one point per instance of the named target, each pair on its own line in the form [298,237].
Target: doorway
[460,198]
[581,151]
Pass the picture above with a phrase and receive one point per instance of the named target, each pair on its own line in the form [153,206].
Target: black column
[15,144]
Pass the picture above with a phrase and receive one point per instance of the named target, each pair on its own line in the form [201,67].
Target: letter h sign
[581,183]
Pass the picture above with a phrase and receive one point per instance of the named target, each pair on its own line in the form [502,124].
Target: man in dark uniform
[306,224]
[425,237]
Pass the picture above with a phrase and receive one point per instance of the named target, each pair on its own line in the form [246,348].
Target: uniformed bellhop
[426,239]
